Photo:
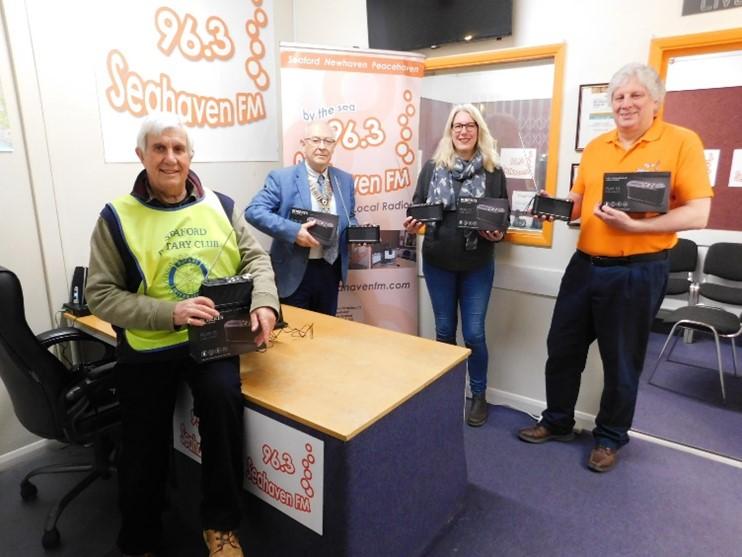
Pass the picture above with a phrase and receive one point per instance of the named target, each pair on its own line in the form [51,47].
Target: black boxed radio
[558,209]
[637,191]
[426,212]
[483,213]
[325,224]
[229,334]
[369,234]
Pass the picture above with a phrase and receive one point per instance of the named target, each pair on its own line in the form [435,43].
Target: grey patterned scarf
[473,182]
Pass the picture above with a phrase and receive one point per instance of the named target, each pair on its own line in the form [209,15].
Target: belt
[602,261]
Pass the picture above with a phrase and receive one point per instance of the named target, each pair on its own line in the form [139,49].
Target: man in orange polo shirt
[613,286]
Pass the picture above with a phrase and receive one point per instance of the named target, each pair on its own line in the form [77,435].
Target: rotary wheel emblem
[186,276]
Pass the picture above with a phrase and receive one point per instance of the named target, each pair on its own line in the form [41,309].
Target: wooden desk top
[341,380]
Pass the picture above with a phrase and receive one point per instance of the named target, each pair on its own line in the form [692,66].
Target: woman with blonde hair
[459,264]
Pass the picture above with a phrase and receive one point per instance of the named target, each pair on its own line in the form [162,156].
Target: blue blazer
[269,211]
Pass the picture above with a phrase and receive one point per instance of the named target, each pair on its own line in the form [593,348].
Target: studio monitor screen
[415,24]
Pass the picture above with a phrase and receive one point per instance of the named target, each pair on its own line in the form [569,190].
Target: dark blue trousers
[318,290]
[615,305]
[147,393]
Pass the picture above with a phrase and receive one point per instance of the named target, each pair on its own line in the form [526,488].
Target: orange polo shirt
[663,148]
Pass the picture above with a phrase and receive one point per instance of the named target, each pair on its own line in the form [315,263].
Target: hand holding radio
[194,312]
[617,219]
[492,235]
[411,225]
[304,238]
[262,319]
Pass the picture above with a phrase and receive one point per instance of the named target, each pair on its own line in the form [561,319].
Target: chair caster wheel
[51,539]
[28,491]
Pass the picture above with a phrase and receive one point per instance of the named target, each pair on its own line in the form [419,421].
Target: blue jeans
[616,306]
[469,291]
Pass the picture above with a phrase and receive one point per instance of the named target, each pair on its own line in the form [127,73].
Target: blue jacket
[269,211]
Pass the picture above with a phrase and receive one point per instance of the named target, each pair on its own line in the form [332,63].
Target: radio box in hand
[325,224]
[637,191]
[483,213]
[229,334]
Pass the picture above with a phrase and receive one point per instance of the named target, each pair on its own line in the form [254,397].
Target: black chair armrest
[53,337]
[64,334]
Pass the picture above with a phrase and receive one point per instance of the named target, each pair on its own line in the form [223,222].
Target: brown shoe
[222,544]
[541,434]
[602,459]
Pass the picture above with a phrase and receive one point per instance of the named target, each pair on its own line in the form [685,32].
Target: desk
[388,408]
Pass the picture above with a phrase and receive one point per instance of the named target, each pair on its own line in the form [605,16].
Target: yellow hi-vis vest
[173,249]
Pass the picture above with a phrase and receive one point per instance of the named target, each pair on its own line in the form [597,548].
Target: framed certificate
[573,174]
[594,114]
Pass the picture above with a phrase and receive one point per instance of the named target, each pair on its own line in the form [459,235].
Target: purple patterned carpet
[684,404]
[541,500]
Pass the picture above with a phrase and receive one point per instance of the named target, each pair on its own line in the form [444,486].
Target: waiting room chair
[683,262]
[722,283]
[58,400]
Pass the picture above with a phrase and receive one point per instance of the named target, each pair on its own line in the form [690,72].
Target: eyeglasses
[329,141]
[469,126]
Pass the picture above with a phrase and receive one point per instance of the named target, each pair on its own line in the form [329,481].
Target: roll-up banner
[372,99]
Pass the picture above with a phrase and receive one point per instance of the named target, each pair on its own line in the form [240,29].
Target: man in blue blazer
[307,274]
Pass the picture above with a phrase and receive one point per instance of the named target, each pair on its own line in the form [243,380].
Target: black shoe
[478,412]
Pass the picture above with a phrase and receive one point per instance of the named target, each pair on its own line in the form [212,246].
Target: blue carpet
[533,500]
[522,500]
[684,403]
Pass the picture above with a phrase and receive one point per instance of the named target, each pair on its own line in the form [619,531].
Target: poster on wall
[372,99]
[712,163]
[735,172]
[594,114]
[213,63]
[6,144]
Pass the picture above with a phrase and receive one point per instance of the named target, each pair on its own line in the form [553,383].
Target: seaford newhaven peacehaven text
[352,63]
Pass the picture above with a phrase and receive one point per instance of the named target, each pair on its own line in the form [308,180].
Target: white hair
[158,122]
[643,74]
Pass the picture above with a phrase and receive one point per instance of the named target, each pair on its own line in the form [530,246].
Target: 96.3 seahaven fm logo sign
[213,63]
[284,467]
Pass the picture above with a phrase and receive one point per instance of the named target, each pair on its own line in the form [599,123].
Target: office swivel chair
[71,403]
[722,283]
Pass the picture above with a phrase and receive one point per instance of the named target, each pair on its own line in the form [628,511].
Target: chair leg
[51,536]
[734,356]
[57,469]
[664,346]
[721,371]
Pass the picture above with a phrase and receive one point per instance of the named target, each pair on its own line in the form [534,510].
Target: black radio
[559,209]
[365,234]
[426,212]
[325,224]
[228,291]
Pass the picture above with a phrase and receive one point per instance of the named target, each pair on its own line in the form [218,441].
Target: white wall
[20,247]
[55,182]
